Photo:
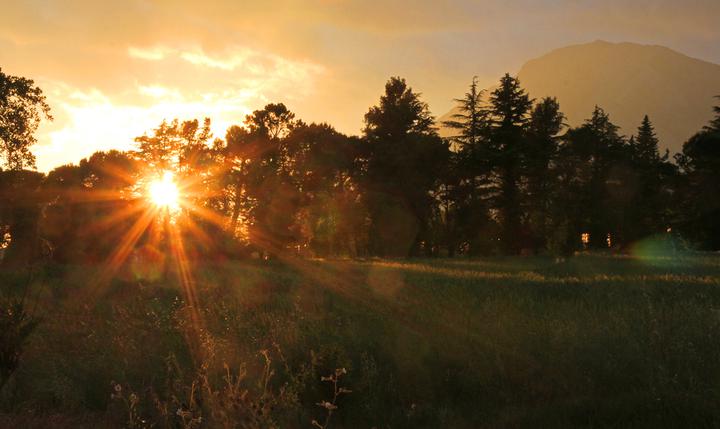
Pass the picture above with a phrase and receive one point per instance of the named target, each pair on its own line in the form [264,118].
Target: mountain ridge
[628,80]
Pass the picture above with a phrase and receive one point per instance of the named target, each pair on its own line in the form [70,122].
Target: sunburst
[164,192]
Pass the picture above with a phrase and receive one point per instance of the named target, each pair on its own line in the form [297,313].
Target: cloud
[94,122]
[188,84]
[149,54]
[200,59]
[160,92]
[327,59]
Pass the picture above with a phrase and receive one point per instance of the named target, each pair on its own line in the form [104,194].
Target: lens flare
[164,192]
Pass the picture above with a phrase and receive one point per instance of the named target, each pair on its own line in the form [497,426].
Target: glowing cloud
[149,54]
[183,84]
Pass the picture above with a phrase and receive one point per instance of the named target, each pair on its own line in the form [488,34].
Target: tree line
[513,179]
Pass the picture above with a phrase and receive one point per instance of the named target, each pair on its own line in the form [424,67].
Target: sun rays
[164,192]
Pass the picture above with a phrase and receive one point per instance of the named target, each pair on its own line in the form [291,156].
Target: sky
[114,70]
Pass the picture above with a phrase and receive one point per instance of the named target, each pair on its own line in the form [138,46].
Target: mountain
[628,80]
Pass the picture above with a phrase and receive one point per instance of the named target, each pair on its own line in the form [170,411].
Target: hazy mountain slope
[627,80]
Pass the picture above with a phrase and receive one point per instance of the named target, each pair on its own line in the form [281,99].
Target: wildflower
[327,405]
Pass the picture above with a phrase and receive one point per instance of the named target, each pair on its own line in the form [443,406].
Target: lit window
[585,237]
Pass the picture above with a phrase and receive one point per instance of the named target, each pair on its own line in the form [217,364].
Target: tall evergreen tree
[646,143]
[648,213]
[464,206]
[509,115]
[403,158]
[546,122]
[714,124]
[470,122]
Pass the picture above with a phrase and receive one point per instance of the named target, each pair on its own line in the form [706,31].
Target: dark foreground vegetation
[595,341]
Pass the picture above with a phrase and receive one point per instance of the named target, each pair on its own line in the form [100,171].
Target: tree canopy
[513,178]
[22,107]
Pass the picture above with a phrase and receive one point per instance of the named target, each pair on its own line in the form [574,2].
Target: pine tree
[648,214]
[546,122]
[715,122]
[471,121]
[509,115]
[646,144]
[465,209]
[404,158]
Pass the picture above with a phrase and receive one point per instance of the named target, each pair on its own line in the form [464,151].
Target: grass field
[594,341]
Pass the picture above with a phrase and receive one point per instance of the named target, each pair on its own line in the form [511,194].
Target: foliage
[513,179]
[402,159]
[16,325]
[22,107]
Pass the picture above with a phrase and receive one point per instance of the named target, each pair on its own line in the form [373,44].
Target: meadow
[591,341]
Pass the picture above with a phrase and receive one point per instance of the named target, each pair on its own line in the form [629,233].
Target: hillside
[628,80]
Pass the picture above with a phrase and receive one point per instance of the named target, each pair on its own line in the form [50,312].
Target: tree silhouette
[465,193]
[714,124]
[546,122]
[271,198]
[589,195]
[508,179]
[649,212]
[321,170]
[403,155]
[237,158]
[646,143]
[509,115]
[700,162]
[471,122]
[22,107]
[173,145]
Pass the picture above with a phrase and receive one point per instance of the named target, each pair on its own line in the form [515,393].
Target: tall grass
[595,341]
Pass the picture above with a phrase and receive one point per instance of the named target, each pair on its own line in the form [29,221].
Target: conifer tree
[404,157]
[509,115]
[714,124]
[648,212]
[646,143]
[546,122]
[465,206]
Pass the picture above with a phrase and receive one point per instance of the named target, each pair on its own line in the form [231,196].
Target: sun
[164,192]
